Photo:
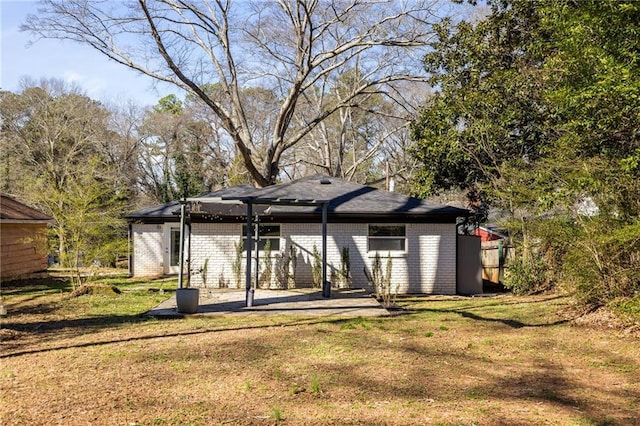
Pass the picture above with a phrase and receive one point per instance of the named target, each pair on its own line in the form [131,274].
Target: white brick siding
[427,266]
[148,249]
[215,242]
[434,265]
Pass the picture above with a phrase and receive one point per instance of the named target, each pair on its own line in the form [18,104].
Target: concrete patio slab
[307,302]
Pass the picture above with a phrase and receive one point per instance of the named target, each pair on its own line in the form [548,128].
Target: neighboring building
[419,237]
[491,233]
[23,239]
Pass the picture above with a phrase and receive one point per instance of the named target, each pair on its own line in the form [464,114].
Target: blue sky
[100,78]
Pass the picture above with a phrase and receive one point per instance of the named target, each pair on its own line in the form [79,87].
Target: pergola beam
[250,202]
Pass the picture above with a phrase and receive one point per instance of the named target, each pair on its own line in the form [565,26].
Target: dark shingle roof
[160,211]
[346,198]
[13,210]
[172,209]
[293,199]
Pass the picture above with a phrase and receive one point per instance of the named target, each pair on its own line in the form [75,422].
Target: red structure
[489,233]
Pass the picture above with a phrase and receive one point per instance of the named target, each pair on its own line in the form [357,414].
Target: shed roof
[293,200]
[12,210]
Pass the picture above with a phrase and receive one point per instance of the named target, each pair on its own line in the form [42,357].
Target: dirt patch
[92,288]
[605,319]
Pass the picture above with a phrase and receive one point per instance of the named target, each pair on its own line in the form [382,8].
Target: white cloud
[94,87]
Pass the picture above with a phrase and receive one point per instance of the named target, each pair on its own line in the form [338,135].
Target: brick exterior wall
[148,249]
[215,244]
[427,266]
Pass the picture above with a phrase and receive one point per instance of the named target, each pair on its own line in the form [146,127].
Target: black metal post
[183,207]
[256,239]
[326,285]
[249,290]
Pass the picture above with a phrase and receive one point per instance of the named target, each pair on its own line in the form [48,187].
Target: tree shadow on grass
[468,312]
[508,322]
[513,323]
[87,325]
[41,285]
[549,383]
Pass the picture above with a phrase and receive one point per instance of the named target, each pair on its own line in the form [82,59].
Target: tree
[121,150]
[181,152]
[595,91]
[55,135]
[489,108]
[292,48]
[358,141]
[538,105]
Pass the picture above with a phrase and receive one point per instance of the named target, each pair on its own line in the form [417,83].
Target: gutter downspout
[130,249]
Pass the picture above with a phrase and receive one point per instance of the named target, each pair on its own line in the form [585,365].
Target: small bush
[345,268]
[604,265]
[316,268]
[267,272]
[236,267]
[382,281]
[527,276]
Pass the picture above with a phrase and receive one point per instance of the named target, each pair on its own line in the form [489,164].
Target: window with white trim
[268,232]
[387,237]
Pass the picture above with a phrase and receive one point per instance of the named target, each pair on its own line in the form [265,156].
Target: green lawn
[96,359]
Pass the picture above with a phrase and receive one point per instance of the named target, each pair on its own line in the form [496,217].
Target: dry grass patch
[504,360]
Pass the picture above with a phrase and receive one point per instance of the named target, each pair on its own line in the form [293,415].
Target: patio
[307,302]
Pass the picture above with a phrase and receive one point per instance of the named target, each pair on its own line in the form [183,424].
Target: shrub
[236,267]
[527,276]
[345,268]
[382,281]
[286,268]
[267,272]
[604,264]
[316,268]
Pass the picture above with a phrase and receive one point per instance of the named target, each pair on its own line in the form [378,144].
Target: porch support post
[183,207]
[249,244]
[326,285]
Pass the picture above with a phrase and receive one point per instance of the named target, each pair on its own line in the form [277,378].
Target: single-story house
[415,240]
[23,239]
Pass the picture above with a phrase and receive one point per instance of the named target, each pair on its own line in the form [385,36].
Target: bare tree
[293,48]
[180,151]
[367,141]
[58,138]
[121,149]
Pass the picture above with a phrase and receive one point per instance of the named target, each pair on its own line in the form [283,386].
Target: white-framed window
[268,232]
[387,238]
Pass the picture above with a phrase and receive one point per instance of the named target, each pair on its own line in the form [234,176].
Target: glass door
[172,249]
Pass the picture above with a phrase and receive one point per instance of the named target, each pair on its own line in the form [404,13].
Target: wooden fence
[495,257]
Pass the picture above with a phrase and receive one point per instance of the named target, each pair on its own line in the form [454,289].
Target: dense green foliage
[538,107]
